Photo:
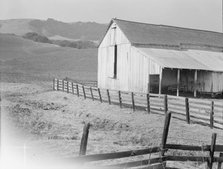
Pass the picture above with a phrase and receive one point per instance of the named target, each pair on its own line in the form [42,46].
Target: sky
[199,14]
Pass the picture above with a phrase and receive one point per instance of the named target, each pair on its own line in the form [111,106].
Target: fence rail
[156,157]
[202,111]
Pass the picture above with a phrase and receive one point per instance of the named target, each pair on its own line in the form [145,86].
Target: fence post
[67,86]
[77,90]
[58,84]
[72,86]
[220,163]
[187,110]
[120,98]
[84,139]
[54,80]
[84,92]
[165,132]
[92,96]
[212,149]
[165,104]
[99,93]
[212,115]
[109,99]
[133,102]
[62,85]
[148,103]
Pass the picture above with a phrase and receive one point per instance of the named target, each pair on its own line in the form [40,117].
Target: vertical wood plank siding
[133,67]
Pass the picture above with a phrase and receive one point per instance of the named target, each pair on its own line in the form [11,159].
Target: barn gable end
[108,39]
[130,76]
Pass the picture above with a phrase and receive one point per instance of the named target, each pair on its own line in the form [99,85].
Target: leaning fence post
[165,104]
[212,115]
[84,92]
[220,163]
[77,90]
[92,96]
[165,132]
[212,150]
[187,110]
[133,102]
[84,139]
[99,93]
[148,103]
[120,98]
[109,99]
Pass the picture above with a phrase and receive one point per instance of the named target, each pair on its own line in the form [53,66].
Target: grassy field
[51,125]
[25,61]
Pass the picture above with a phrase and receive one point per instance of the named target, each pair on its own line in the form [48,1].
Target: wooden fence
[156,156]
[202,111]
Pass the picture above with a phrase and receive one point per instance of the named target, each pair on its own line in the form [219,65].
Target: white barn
[144,57]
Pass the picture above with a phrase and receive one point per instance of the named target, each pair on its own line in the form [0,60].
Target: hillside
[24,60]
[15,26]
[52,28]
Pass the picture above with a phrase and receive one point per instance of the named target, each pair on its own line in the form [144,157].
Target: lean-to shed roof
[187,59]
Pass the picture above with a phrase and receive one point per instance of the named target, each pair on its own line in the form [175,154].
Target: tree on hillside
[80,44]
[36,37]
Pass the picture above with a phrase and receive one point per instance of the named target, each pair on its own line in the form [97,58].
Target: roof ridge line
[171,26]
[181,47]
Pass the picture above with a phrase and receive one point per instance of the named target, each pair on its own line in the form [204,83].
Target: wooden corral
[155,58]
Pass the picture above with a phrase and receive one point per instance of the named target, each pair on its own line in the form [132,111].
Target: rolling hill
[24,60]
[52,28]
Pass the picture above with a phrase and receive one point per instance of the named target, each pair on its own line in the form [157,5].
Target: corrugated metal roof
[142,33]
[188,59]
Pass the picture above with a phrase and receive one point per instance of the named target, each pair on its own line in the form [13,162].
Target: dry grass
[54,122]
